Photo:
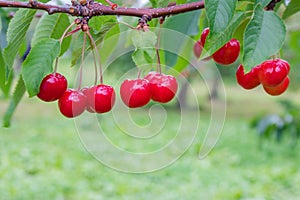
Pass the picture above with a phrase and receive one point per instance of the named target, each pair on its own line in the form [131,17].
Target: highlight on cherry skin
[163,87]
[135,92]
[52,87]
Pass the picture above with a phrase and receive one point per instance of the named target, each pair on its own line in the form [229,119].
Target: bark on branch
[95,9]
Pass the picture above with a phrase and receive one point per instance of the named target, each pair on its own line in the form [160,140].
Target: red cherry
[249,80]
[204,35]
[52,87]
[72,103]
[101,98]
[163,87]
[278,89]
[227,54]
[135,93]
[86,92]
[198,46]
[198,49]
[273,72]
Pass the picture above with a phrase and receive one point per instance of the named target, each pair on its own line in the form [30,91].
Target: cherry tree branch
[39,6]
[95,9]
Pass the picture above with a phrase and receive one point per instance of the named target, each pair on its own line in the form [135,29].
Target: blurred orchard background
[256,157]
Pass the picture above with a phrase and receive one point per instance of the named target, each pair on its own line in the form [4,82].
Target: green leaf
[264,3]
[215,41]
[144,43]
[2,72]
[183,60]
[16,98]
[292,8]
[52,26]
[264,36]
[159,3]
[100,23]
[16,33]
[203,23]
[184,23]
[110,42]
[106,30]
[219,14]
[5,79]
[39,63]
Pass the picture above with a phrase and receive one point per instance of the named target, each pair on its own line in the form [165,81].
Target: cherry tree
[251,32]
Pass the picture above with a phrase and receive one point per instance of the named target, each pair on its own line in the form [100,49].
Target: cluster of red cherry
[101,98]
[272,74]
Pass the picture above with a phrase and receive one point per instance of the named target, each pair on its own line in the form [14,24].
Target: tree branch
[95,9]
[39,6]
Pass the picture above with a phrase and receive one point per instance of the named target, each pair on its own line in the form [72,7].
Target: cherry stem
[72,32]
[60,42]
[157,49]
[128,25]
[139,73]
[95,65]
[81,64]
[278,54]
[65,32]
[97,52]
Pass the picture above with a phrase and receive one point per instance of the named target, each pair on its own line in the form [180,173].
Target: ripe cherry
[52,87]
[278,89]
[86,91]
[249,80]
[204,35]
[135,93]
[163,87]
[101,98]
[198,46]
[72,103]
[227,54]
[198,49]
[273,72]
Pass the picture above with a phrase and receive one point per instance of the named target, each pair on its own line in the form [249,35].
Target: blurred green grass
[41,157]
